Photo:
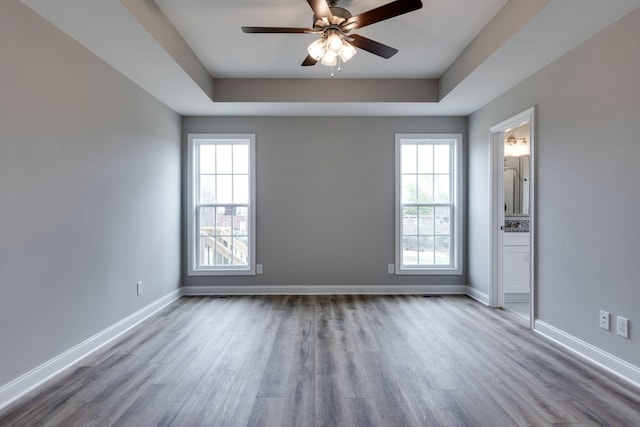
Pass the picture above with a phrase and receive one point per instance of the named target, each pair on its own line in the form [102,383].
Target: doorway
[512,216]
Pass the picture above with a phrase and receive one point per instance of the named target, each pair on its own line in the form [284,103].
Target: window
[221,200]
[428,204]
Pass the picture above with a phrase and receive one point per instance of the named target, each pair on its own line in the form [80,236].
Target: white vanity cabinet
[516,265]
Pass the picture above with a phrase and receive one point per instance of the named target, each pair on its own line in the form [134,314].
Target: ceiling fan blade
[308,61]
[389,10]
[277,30]
[320,9]
[373,46]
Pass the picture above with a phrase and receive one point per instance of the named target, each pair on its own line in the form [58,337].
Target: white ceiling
[454,55]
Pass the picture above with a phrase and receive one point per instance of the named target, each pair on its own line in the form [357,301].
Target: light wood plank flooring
[329,361]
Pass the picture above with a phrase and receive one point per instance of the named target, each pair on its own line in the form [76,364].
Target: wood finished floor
[329,361]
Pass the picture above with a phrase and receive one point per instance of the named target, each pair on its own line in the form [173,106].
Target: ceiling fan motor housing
[340,15]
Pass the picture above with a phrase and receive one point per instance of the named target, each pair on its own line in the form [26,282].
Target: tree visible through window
[221,204]
[427,197]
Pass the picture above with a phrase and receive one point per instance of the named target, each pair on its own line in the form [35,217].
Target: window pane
[224,191]
[409,220]
[224,158]
[207,251]
[239,223]
[443,253]
[207,158]
[224,219]
[207,220]
[408,192]
[441,158]
[426,255]
[425,189]
[241,158]
[425,158]
[410,243]
[207,189]
[410,250]
[442,189]
[425,221]
[239,251]
[443,219]
[223,250]
[241,188]
[408,158]
[222,210]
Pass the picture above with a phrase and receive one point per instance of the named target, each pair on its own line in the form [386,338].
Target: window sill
[427,271]
[250,272]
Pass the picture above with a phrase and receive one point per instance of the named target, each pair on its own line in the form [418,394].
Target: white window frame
[455,141]
[194,140]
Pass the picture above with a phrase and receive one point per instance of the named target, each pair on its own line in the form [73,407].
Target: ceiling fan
[335,24]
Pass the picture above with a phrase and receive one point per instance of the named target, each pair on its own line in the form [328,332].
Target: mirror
[516,171]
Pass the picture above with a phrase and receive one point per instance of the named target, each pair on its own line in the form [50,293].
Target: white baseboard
[326,290]
[477,295]
[32,379]
[607,361]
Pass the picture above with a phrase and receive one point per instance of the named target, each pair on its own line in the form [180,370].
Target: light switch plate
[604,319]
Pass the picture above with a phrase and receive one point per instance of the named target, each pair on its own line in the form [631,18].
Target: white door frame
[496,218]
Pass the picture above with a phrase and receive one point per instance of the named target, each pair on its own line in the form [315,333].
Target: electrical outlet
[258,268]
[623,326]
[139,288]
[391,268]
[604,319]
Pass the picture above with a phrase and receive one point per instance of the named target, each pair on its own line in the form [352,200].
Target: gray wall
[325,198]
[587,151]
[89,194]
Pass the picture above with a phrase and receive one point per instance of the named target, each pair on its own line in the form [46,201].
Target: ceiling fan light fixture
[334,42]
[347,52]
[329,59]
[317,49]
